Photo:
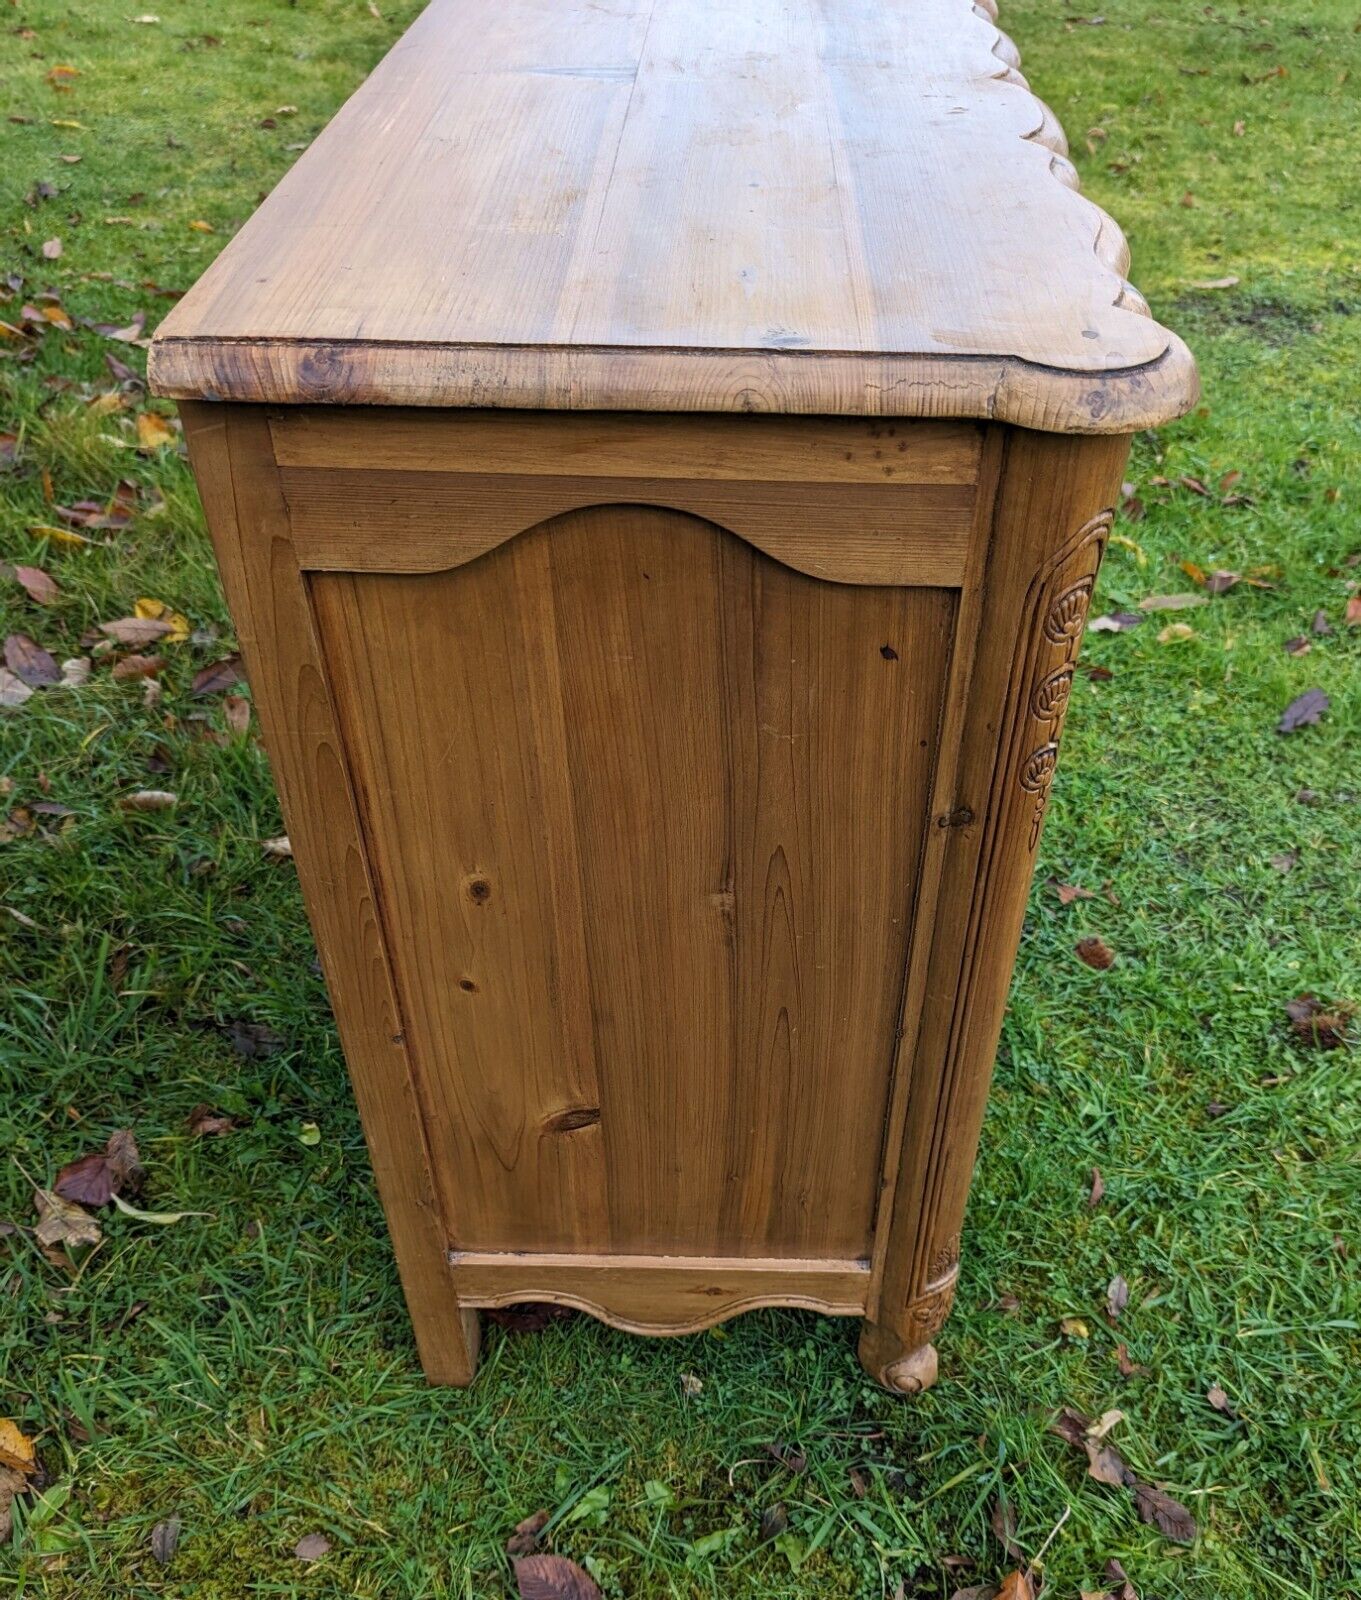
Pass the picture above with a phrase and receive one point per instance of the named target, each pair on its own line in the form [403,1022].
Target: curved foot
[899,1370]
[912,1373]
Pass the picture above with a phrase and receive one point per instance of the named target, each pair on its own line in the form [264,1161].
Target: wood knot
[572,1119]
[479,890]
[960,817]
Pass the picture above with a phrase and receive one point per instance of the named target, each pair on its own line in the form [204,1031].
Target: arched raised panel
[425,522]
[645,809]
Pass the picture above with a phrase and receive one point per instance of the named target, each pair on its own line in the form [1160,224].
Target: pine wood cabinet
[658,458]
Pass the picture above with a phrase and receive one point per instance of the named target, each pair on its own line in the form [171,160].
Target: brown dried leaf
[136,630]
[207,1123]
[165,1540]
[1321,625]
[1002,1519]
[217,676]
[1221,582]
[1304,710]
[30,663]
[524,1541]
[1098,1188]
[11,1484]
[236,713]
[1106,1464]
[13,691]
[1314,1023]
[1071,1426]
[1116,1574]
[553,1578]
[1157,1508]
[1117,1296]
[774,1522]
[62,1222]
[1068,892]
[1095,952]
[1016,1586]
[790,1457]
[1219,1400]
[136,666]
[37,585]
[1351,616]
[311,1547]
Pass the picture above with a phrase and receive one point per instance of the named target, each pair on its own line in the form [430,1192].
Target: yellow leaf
[1175,631]
[1193,572]
[158,611]
[58,317]
[153,431]
[65,122]
[16,1449]
[102,404]
[203,227]
[1132,545]
[66,536]
[1075,1328]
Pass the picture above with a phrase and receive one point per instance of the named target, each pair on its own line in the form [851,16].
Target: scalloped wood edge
[997,389]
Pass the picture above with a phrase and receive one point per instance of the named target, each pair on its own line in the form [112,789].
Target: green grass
[267,1388]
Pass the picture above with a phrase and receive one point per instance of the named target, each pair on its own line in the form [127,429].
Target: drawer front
[645,809]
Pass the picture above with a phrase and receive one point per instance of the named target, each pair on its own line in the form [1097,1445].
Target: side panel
[646,811]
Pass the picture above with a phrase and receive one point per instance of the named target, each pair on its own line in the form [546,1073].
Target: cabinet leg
[900,1367]
[449,1354]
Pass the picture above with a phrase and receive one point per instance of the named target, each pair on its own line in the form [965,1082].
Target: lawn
[249,1372]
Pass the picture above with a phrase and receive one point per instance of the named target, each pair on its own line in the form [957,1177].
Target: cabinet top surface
[834,206]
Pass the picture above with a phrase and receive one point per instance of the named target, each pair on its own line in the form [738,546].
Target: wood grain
[686,205]
[232,459]
[661,1295]
[646,809]
[846,533]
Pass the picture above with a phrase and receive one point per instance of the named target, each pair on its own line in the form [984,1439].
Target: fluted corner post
[1024,621]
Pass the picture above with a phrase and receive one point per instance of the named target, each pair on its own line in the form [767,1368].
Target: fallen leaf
[691,1385]
[1095,952]
[206,1123]
[13,690]
[158,611]
[1298,646]
[311,1547]
[1219,1400]
[1117,1296]
[1069,892]
[1105,1424]
[774,1522]
[16,1449]
[51,249]
[1304,710]
[163,1219]
[252,1039]
[1351,616]
[63,1222]
[62,536]
[1171,602]
[149,800]
[153,431]
[1157,1508]
[1314,1023]
[1074,1328]
[236,713]
[202,227]
[1220,582]
[37,585]
[1286,861]
[1321,625]
[553,1578]
[1098,1188]
[11,1484]
[75,672]
[135,666]
[1124,1589]
[29,662]
[790,1457]
[1128,1368]
[309,1134]
[1116,622]
[279,849]
[524,1541]
[217,676]
[1002,1520]
[165,1540]
[1175,632]
[135,630]
[1228,282]
[860,1484]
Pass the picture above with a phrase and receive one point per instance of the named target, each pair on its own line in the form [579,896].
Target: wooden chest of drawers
[659,458]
